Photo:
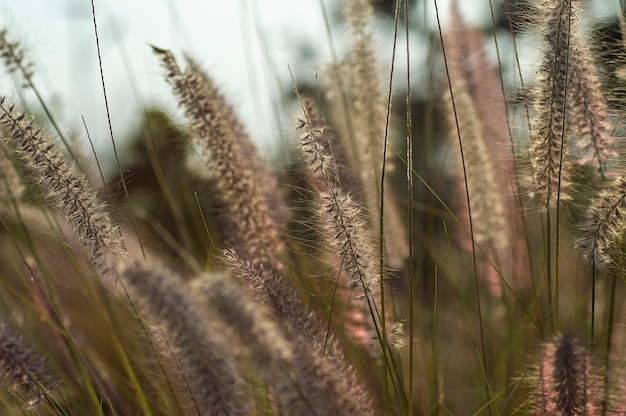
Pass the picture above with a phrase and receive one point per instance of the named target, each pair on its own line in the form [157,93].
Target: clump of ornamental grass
[186,340]
[197,341]
[237,315]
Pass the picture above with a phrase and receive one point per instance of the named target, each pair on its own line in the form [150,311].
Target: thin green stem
[409,177]
[482,349]
[519,199]
[29,81]
[381,264]
[381,218]
[561,160]
[108,113]
[609,337]
[593,301]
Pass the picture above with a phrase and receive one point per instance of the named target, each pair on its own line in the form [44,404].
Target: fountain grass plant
[462,258]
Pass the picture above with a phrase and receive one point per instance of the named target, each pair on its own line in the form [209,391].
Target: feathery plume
[340,216]
[343,231]
[67,189]
[271,288]
[316,150]
[302,381]
[572,123]
[602,231]
[485,188]
[247,219]
[589,112]
[300,322]
[366,89]
[567,383]
[365,112]
[22,370]
[340,219]
[549,150]
[266,182]
[14,57]
[197,342]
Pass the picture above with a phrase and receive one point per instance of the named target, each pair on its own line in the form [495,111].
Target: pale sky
[224,36]
[246,46]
